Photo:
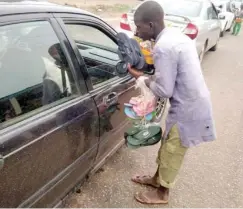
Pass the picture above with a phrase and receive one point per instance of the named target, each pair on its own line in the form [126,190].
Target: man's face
[144,30]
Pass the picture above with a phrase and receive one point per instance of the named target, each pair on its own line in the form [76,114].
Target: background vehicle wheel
[214,48]
[228,30]
[160,109]
[222,32]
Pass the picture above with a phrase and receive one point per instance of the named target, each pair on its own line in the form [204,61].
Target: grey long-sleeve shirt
[178,76]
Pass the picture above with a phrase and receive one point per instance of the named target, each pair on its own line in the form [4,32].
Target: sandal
[152,197]
[145,180]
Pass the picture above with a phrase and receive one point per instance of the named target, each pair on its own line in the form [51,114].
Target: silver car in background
[237,3]
[225,14]
[198,19]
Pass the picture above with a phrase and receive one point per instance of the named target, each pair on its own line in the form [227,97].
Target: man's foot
[158,196]
[145,180]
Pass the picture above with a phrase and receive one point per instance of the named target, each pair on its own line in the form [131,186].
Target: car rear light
[124,24]
[191,30]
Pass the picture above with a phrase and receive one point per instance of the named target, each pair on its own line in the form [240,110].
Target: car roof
[10,7]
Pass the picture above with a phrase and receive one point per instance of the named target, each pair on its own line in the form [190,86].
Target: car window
[35,74]
[188,8]
[228,8]
[98,50]
[214,13]
[208,14]
[211,13]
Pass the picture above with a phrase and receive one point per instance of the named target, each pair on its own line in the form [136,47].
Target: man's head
[149,19]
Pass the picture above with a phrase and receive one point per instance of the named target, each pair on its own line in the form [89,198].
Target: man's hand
[135,73]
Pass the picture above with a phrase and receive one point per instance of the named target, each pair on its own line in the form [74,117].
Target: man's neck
[158,32]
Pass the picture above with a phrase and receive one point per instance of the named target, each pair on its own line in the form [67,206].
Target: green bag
[139,135]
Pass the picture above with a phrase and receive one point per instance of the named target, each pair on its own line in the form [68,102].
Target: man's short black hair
[149,11]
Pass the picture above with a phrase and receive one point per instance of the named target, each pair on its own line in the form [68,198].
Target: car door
[48,121]
[205,32]
[95,44]
[213,25]
[230,15]
[223,16]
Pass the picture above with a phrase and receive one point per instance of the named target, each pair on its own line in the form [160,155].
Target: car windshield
[188,8]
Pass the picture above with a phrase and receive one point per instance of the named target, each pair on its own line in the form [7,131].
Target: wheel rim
[160,107]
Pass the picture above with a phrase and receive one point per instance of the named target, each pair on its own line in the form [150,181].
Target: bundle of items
[136,52]
[141,110]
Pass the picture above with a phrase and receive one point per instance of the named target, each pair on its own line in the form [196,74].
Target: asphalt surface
[212,172]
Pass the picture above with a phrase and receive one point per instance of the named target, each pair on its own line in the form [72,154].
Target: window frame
[80,86]
[215,11]
[65,18]
[209,10]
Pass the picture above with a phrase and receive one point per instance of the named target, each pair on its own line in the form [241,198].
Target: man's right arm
[165,62]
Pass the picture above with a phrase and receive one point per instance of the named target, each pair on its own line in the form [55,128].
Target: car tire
[214,48]
[222,32]
[160,109]
[228,30]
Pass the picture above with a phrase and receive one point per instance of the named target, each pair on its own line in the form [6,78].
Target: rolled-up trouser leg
[170,158]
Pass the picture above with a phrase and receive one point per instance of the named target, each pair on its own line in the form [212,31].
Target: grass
[102,8]
[116,8]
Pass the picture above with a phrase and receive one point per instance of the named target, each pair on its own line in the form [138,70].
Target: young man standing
[178,77]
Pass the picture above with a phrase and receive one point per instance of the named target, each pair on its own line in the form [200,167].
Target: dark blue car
[61,103]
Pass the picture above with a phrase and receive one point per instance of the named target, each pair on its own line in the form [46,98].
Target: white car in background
[237,3]
[225,15]
[198,19]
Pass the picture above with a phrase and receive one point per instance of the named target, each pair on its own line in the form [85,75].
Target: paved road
[212,175]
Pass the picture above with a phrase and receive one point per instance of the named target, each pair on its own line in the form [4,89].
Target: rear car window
[34,73]
[188,8]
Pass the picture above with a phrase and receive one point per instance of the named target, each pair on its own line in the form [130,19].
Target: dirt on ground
[103,8]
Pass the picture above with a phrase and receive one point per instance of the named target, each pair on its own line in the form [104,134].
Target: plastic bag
[145,103]
[145,92]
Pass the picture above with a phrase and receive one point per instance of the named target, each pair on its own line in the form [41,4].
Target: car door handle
[110,99]
[1,162]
